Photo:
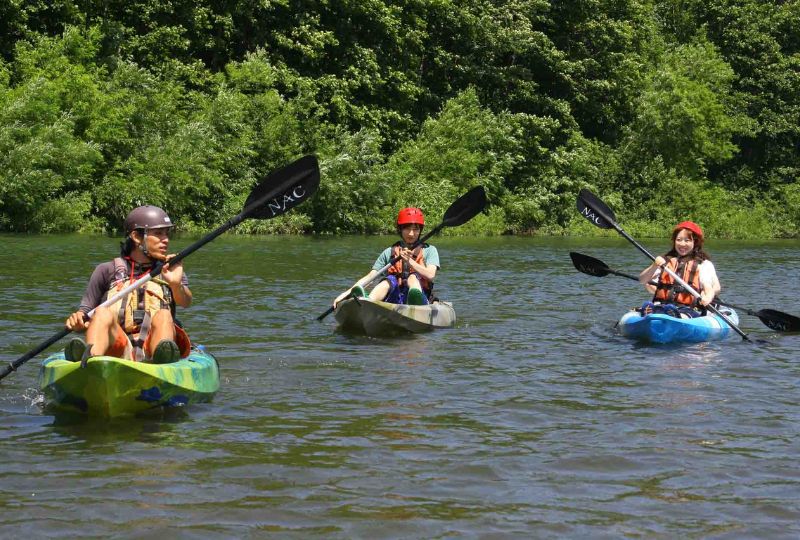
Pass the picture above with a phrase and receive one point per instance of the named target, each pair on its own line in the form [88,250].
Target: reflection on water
[531,418]
[151,422]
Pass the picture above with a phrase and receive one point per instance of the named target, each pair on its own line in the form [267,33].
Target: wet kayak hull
[111,387]
[661,328]
[374,318]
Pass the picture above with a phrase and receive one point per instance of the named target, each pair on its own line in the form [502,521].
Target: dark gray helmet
[147,217]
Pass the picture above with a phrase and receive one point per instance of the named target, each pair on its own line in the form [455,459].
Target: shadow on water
[59,429]
[140,427]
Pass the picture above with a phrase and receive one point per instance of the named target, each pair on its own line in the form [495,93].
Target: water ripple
[531,418]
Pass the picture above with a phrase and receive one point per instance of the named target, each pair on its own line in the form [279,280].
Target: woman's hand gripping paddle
[279,192]
[596,211]
[776,320]
[462,210]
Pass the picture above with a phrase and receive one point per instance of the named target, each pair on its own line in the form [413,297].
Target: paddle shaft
[721,302]
[717,300]
[629,276]
[665,268]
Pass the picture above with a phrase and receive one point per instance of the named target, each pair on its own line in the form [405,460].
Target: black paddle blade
[778,321]
[595,210]
[465,207]
[589,265]
[283,189]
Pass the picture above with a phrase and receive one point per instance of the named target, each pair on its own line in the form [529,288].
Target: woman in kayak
[688,260]
[141,325]
[410,278]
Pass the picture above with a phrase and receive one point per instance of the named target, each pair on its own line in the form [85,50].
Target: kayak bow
[662,328]
[375,318]
[110,387]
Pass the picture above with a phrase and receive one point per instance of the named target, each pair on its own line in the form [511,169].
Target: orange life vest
[402,269]
[668,291]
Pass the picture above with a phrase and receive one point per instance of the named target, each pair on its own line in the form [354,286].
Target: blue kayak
[661,328]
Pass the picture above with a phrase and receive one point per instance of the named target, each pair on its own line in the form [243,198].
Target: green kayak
[110,387]
[374,318]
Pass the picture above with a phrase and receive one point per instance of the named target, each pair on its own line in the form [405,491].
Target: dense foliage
[668,109]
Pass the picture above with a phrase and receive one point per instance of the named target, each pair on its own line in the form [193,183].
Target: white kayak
[376,318]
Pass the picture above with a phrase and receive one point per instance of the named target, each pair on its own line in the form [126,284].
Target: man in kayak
[140,326]
[689,261]
[410,279]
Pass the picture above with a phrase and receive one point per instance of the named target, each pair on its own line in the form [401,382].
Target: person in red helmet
[141,326]
[689,260]
[409,280]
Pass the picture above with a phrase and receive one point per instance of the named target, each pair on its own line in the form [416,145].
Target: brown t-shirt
[101,281]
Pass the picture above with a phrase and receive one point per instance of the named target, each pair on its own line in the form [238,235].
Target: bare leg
[413,282]
[101,331]
[161,327]
[380,291]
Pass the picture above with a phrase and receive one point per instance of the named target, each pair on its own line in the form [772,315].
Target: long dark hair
[697,250]
[126,246]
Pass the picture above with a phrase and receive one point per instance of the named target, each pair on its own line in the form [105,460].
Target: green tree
[45,161]
[759,40]
[687,114]
[464,146]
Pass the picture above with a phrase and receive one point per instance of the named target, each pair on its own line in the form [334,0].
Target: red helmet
[690,225]
[410,215]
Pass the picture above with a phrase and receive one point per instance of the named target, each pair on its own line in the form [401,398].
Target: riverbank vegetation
[667,109]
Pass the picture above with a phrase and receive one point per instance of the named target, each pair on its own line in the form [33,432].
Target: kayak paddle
[279,192]
[462,210]
[596,211]
[595,267]
[776,320]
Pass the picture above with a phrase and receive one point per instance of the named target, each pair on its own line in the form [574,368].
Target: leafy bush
[686,115]
[466,145]
[350,200]
[668,109]
[68,213]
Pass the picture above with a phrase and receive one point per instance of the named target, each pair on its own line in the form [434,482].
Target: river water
[531,418]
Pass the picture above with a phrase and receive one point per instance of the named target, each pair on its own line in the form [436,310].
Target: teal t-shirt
[429,252]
